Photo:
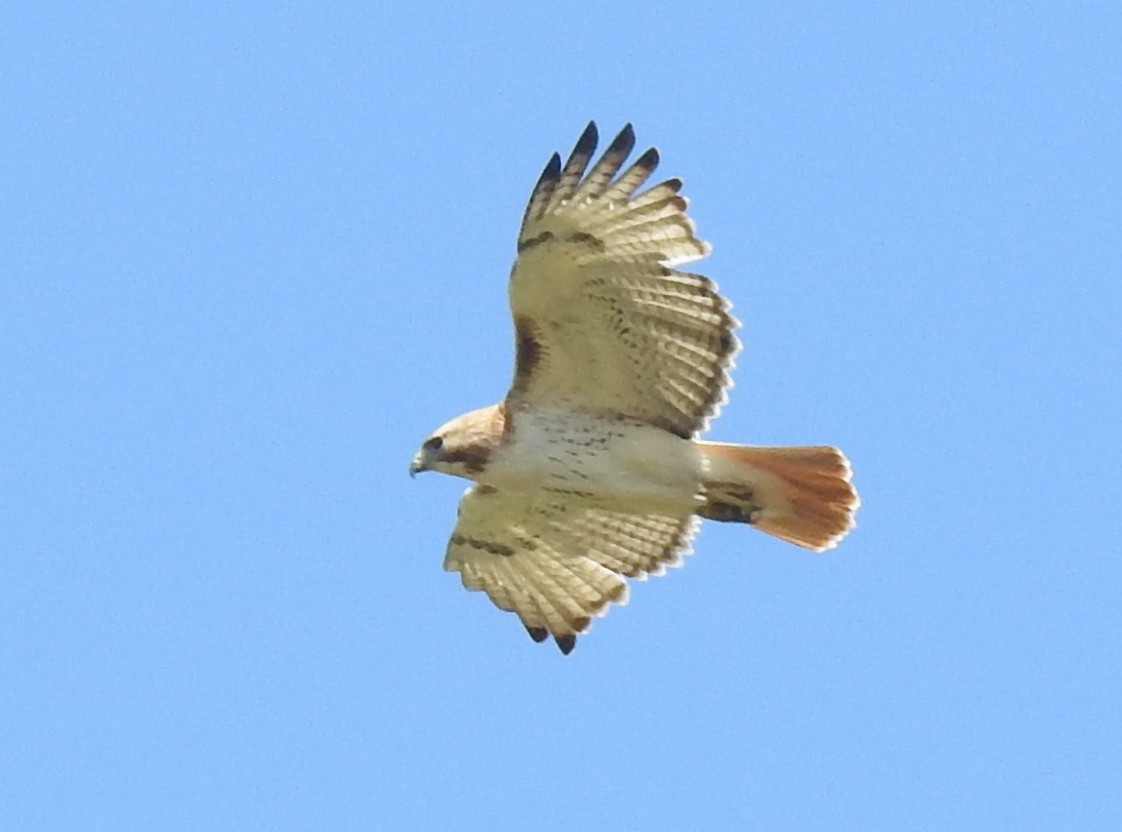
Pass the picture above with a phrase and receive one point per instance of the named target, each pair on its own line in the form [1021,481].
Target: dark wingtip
[538,634]
[586,144]
[622,144]
[552,170]
[649,160]
[566,642]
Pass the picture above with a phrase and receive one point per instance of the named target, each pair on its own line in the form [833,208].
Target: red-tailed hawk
[590,470]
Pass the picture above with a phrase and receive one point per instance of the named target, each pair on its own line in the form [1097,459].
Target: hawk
[590,471]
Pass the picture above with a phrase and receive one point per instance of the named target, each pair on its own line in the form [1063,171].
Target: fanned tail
[801,495]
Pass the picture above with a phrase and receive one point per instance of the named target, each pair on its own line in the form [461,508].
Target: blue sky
[253,253]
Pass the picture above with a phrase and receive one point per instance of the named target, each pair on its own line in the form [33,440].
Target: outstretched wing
[602,319]
[556,560]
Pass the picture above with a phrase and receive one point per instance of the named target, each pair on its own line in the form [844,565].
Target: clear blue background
[251,254]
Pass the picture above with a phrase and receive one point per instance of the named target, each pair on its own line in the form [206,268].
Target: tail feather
[801,495]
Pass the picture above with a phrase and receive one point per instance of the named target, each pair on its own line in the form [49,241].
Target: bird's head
[463,446]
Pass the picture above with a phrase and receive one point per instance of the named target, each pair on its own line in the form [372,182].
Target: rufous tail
[801,495]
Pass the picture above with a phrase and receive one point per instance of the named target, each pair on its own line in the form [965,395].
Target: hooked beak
[418,464]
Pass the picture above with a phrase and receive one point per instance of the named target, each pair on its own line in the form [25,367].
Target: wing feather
[605,323]
[574,168]
[602,172]
[633,178]
[558,561]
[543,190]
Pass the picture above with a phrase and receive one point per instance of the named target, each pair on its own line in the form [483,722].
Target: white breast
[612,457]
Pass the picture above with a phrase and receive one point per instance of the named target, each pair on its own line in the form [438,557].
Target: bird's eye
[434,443]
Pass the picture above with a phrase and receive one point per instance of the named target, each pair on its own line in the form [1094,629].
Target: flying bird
[590,471]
